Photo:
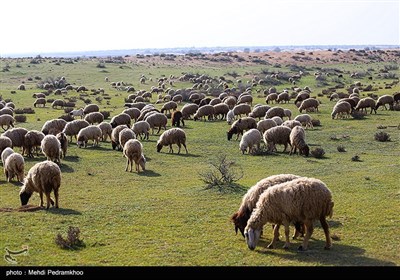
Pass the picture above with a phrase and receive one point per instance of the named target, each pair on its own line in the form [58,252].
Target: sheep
[242,109]
[241,125]
[230,101]
[300,200]
[5,153]
[39,95]
[14,166]
[216,101]
[119,119]
[250,138]
[341,108]
[7,111]
[134,113]
[170,105]
[141,128]
[275,111]
[32,140]
[351,101]
[284,97]
[125,135]
[72,128]
[220,109]
[302,95]
[334,96]
[43,177]
[172,136]
[51,148]
[91,108]
[204,101]
[230,117]
[309,104]
[188,110]
[365,103]
[259,111]
[271,97]
[53,126]
[298,141]
[106,130]
[157,120]
[264,125]
[40,101]
[91,132]
[63,143]
[6,120]
[77,113]
[21,87]
[277,135]
[94,117]
[203,112]
[138,105]
[305,120]
[291,123]
[115,137]
[246,98]
[5,142]
[133,151]
[396,97]
[177,98]
[16,136]
[382,101]
[176,118]
[251,197]
[278,120]
[58,103]
[145,112]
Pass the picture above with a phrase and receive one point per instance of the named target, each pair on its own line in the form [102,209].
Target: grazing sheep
[51,148]
[142,129]
[250,139]
[91,132]
[216,101]
[246,98]
[5,153]
[259,111]
[167,107]
[91,108]
[7,111]
[172,136]
[32,141]
[300,200]
[230,101]
[134,113]
[396,97]
[365,103]
[177,98]
[302,95]
[6,120]
[204,101]
[77,113]
[220,109]
[264,125]
[288,113]
[40,101]
[334,96]
[106,130]
[382,101]
[277,135]
[133,151]
[188,110]
[283,97]
[125,135]
[305,120]
[5,142]
[43,177]
[14,166]
[145,112]
[58,103]
[250,199]
[53,126]
[21,87]
[298,141]
[275,111]
[351,101]
[309,104]
[271,97]
[72,128]
[240,125]
[119,119]
[230,117]
[278,120]
[242,109]
[341,108]
[16,136]
[157,120]
[203,112]
[115,137]
[63,142]
[291,123]
[94,117]
[177,118]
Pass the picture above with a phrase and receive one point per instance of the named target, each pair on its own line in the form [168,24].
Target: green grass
[165,217]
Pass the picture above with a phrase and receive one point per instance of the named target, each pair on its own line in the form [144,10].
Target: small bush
[20,118]
[316,122]
[355,158]
[318,153]
[341,149]
[382,136]
[72,241]
[358,115]
[381,126]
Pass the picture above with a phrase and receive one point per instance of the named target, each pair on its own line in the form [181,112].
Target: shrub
[358,115]
[316,122]
[341,149]
[355,158]
[318,153]
[382,136]
[72,241]
[20,118]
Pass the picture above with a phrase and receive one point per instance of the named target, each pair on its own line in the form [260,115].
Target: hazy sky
[76,25]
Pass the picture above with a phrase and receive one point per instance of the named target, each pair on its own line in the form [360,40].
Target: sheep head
[252,237]
[159,147]
[240,219]
[24,196]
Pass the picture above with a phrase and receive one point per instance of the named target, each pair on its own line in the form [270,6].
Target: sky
[28,26]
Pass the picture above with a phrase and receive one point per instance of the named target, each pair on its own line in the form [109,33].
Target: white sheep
[39,101]
[278,120]
[133,151]
[309,104]
[188,110]
[250,139]
[106,130]
[220,109]
[341,108]
[259,111]
[298,141]
[141,128]
[77,113]
[72,128]
[242,109]
[305,120]
[5,142]
[264,125]
[203,112]
[115,136]
[172,136]
[94,117]
[291,123]
[157,120]
[5,153]
[16,135]
[125,135]
[277,135]
[14,165]
[119,119]
[383,100]
[53,126]
[91,132]
[91,108]
[275,111]
[51,148]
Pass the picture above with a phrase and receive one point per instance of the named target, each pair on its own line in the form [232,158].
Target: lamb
[43,177]
[230,117]
[134,113]
[167,107]
[119,119]
[133,151]
[188,110]
[6,120]
[94,117]
[203,112]
[63,142]
[14,166]
[241,125]
[275,111]
[305,120]
[383,100]
[53,126]
[106,130]
[141,128]
[277,135]
[242,109]
[341,108]
[271,97]
[172,136]
[91,108]
[91,132]
[5,142]
[51,148]
[125,135]
[40,101]
[264,125]
[176,118]
[298,141]
[365,103]
[220,109]
[309,104]
[5,153]
[115,136]
[16,136]
[157,120]
[259,111]
[250,139]
[72,128]
[250,199]
[32,140]
[291,123]
[300,200]
[58,103]
[77,113]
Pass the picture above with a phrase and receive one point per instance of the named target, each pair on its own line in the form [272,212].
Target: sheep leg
[184,145]
[309,230]
[170,149]
[127,163]
[41,199]
[159,128]
[179,148]
[325,226]
[275,238]
[48,200]
[287,232]
[56,197]
[183,123]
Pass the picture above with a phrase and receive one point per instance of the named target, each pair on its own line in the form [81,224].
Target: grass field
[165,216]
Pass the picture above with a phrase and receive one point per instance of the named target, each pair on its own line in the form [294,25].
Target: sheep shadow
[71,158]
[149,173]
[63,211]
[66,168]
